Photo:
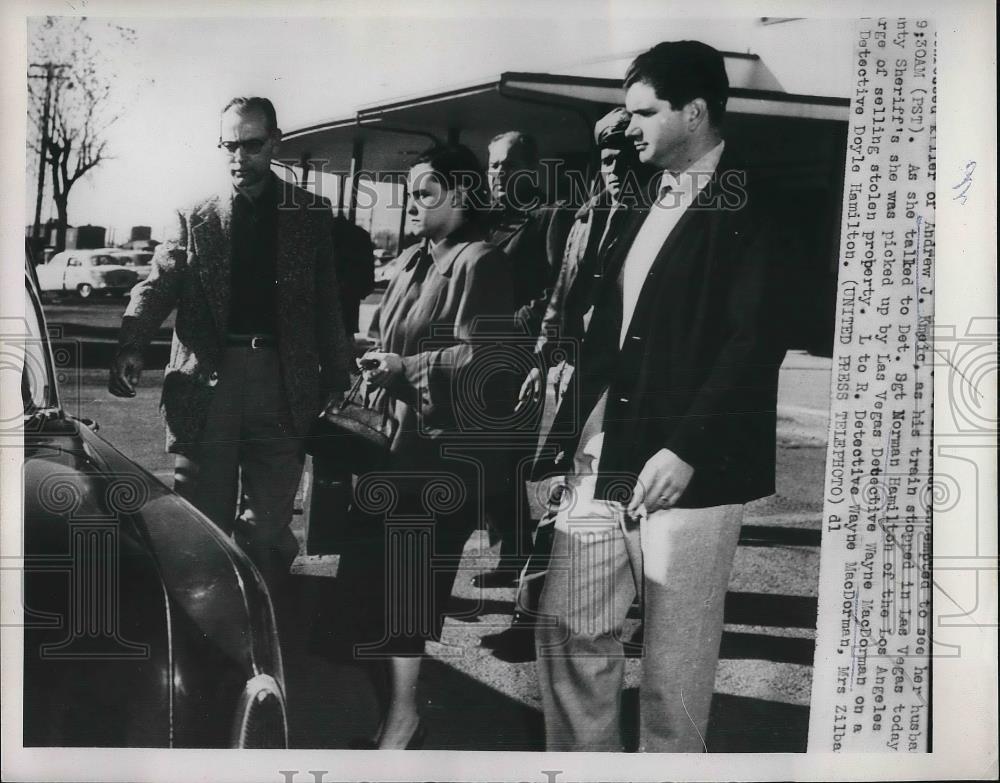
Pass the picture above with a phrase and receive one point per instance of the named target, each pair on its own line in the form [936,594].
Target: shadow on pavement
[768,535]
[779,649]
[737,724]
[773,609]
[470,609]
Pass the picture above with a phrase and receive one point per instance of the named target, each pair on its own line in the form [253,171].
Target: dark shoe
[515,645]
[493,640]
[519,622]
[496,578]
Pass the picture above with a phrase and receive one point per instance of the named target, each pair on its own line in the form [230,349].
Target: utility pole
[50,74]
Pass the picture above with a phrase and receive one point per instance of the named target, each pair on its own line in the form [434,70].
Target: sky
[182,70]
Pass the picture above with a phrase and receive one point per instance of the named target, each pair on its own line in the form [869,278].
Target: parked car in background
[86,272]
[139,261]
[144,624]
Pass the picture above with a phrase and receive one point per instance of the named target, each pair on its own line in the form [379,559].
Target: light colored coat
[191,271]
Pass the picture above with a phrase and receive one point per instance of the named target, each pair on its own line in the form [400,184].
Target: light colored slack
[679,560]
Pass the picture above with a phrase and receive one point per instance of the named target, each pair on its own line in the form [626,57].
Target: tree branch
[82,106]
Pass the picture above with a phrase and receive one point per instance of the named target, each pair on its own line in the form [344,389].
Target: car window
[104,261]
[36,383]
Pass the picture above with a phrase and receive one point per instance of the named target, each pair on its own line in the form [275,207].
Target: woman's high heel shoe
[416,741]
[362,743]
[417,738]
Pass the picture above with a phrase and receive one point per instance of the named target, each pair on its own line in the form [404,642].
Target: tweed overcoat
[191,272]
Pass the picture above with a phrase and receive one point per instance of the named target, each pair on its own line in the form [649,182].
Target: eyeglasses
[250,146]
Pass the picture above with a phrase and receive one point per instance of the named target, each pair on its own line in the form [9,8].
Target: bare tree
[72,100]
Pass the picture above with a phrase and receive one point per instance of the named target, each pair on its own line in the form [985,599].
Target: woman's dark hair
[456,166]
[680,71]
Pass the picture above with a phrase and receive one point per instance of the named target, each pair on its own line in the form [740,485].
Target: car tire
[84,290]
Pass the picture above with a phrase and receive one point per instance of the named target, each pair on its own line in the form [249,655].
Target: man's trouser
[249,447]
[679,561]
[508,510]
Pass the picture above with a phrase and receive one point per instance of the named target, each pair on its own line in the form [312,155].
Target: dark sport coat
[698,370]
[533,241]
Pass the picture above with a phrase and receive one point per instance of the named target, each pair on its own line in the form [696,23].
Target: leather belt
[254,341]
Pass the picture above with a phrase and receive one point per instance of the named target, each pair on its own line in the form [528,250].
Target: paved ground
[473,700]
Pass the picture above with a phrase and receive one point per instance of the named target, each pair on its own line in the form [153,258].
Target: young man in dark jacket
[673,426]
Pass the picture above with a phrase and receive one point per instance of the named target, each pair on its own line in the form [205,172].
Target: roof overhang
[558,109]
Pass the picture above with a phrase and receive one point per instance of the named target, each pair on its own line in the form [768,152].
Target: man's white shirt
[675,195]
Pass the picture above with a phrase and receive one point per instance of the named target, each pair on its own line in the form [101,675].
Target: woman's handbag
[355,434]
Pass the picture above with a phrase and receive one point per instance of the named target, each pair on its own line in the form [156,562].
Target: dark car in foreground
[144,625]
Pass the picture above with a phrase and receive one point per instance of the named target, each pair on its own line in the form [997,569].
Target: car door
[73,274]
[50,275]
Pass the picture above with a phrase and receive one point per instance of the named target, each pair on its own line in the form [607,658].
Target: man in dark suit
[675,391]
[259,343]
[531,233]
[354,254]
[532,236]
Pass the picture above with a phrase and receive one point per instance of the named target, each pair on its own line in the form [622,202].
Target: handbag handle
[375,401]
[353,396]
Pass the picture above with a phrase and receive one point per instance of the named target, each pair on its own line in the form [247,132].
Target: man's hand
[531,389]
[661,483]
[125,372]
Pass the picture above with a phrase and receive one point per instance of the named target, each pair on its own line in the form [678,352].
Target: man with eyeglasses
[259,343]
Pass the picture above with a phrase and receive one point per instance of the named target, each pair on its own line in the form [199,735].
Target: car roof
[87,252]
